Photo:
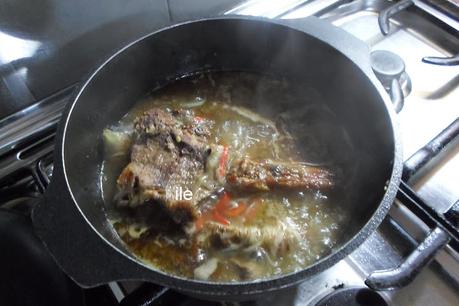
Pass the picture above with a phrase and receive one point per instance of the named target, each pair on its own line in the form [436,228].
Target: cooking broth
[263,118]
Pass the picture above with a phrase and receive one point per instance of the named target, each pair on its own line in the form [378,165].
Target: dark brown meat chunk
[267,175]
[169,151]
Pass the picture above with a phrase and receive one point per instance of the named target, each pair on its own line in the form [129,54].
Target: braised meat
[268,175]
[169,151]
[210,182]
[278,239]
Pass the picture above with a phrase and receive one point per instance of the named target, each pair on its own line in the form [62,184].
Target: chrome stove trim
[43,116]
[266,8]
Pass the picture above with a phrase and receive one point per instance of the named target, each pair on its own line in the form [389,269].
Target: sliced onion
[198,101]
[136,230]
[205,270]
[116,143]
[254,117]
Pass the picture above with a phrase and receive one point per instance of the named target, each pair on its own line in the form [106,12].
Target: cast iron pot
[71,220]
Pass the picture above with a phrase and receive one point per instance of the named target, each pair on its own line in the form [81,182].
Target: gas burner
[357,296]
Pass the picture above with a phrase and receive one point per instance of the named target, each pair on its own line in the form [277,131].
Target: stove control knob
[389,68]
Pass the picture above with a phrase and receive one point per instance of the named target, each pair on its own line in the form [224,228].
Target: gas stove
[414,48]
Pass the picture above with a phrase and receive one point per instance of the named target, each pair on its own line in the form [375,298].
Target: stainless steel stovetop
[431,104]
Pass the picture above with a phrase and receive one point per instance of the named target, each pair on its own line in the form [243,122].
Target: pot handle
[406,272]
[78,251]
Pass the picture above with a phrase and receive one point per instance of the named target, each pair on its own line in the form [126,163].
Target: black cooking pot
[72,221]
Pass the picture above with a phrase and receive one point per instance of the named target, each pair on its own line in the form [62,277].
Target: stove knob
[389,68]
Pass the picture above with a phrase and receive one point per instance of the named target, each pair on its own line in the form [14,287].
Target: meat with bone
[169,151]
[277,239]
[268,175]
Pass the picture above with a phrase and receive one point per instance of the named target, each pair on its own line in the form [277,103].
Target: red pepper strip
[223,203]
[223,161]
[236,211]
[216,214]
[198,118]
[219,218]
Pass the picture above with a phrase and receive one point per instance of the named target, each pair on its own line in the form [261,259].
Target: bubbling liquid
[261,117]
